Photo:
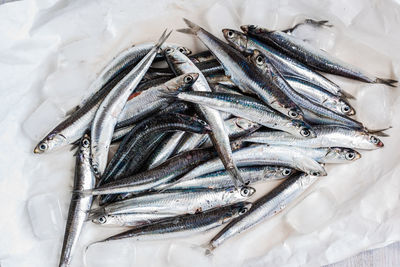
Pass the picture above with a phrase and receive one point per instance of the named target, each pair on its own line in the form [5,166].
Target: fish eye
[286,172]
[350,156]
[181,49]
[374,140]
[102,219]
[245,191]
[314,173]
[305,132]
[203,122]
[242,211]
[169,50]
[188,79]
[230,34]
[346,109]
[85,143]
[259,59]
[43,146]
[293,114]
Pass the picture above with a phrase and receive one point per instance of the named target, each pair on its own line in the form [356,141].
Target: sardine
[129,219]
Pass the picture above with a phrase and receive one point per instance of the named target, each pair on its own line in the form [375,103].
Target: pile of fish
[191,139]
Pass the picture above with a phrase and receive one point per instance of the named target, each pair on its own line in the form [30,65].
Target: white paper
[51,50]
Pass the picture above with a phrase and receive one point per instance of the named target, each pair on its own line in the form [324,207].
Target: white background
[51,50]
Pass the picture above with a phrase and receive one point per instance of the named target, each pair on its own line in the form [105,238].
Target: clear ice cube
[116,253]
[42,120]
[45,216]
[307,217]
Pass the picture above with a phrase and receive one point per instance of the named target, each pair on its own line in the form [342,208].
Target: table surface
[383,257]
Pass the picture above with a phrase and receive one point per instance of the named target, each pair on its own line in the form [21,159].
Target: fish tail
[208,249]
[193,27]
[318,23]
[235,175]
[379,132]
[347,95]
[163,38]
[388,82]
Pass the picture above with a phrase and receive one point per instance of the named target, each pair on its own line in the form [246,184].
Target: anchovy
[80,205]
[184,225]
[178,202]
[288,66]
[307,106]
[111,107]
[311,56]
[327,136]
[260,155]
[181,64]
[248,108]
[165,172]
[129,219]
[265,207]
[244,74]
[220,179]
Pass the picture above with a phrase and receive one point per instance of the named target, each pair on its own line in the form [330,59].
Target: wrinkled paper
[51,50]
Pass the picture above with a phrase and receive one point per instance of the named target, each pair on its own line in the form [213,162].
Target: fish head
[50,142]
[254,29]
[342,155]
[84,146]
[246,124]
[246,191]
[302,129]
[101,219]
[182,82]
[346,108]
[375,141]
[235,210]
[236,39]
[197,125]
[184,50]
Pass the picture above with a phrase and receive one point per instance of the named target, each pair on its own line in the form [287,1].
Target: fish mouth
[37,150]
[380,144]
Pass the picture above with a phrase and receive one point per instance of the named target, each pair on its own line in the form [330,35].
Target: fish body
[80,205]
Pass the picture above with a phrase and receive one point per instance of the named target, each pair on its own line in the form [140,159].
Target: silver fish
[248,108]
[109,110]
[312,56]
[184,225]
[265,207]
[129,219]
[288,66]
[220,179]
[244,74]
[182,64]
[80,205]
[178,202]
[327,136]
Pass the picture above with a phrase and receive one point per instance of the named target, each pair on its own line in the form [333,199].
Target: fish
[312,56]
[289,67]
[249,108]
[246,76]
[305,104]
[129,157]
[110,108]
[327,136]
[202,57]
[220,179]
[264,208]
[80,205]
[178,201]
[146,180]
[184,225]
[129,219]
[182,64]
[257,155]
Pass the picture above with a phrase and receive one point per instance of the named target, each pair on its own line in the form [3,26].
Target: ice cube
[311,213]
[45,216]
[181,253]
[116,253]
[42,120]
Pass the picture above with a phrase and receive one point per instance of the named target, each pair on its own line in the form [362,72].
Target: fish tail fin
[162,39]
[193,27]
[235,175]
[208,249]
[379,132]
[347,95]
[318,23]
[388,82]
